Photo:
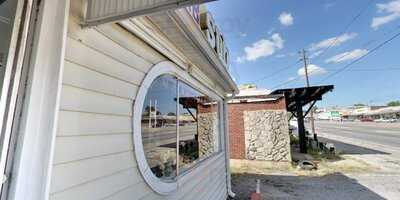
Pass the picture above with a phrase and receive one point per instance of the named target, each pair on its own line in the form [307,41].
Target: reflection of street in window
[197,131]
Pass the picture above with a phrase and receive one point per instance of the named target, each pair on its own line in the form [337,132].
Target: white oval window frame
[162,68]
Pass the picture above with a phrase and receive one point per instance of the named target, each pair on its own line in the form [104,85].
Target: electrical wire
[362,57]
[287,82]
[324,50]
[365,45]
[370,70]
[278,71]
[347,27]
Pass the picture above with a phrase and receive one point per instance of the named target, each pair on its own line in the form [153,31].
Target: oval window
[177,129]
[159,127]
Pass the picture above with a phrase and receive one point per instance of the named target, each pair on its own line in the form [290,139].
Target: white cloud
[333,41]
[241,34]
[286,19]
[392,11]
[240,59]
[313,70]
[346,56]
[315,54]
[379,21]
[280,56]
[262,48]
[328,5]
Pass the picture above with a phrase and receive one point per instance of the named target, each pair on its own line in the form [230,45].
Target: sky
[264,38]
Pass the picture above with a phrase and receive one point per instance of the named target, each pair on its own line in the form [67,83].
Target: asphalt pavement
[377,144]
[386,134]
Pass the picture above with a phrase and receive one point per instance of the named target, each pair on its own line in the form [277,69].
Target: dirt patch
[286,181]
[259,167]
[347,164]
[279,187]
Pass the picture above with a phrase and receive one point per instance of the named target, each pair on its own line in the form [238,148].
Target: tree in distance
[393,103]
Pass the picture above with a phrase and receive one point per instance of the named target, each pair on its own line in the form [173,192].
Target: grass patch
[318,154]
[294,140]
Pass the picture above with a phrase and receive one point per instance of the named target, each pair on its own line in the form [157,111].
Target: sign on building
[103,11]
[214,36]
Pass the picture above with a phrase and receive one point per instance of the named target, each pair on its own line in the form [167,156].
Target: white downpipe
[227,145]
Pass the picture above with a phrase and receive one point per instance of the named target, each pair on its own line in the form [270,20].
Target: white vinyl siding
[94,153]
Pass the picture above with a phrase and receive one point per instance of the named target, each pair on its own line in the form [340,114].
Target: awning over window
[103,11]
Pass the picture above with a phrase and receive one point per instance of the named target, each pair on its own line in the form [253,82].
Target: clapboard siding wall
[94,153]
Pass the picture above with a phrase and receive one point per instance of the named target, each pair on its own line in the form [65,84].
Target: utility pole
[305,59]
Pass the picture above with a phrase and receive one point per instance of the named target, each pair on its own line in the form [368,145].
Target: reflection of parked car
[367,120]
[382,120]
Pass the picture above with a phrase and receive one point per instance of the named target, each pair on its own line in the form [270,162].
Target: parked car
[367,120]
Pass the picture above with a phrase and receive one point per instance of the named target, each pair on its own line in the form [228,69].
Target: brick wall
[236,123]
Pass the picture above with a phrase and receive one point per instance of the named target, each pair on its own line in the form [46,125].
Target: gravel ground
[367,174]
[281,187]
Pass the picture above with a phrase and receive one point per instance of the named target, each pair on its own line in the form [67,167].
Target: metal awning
[104,11]
[303,95]
[296,98]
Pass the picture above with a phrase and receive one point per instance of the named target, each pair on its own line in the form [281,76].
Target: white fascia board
[105,11]
[193,32]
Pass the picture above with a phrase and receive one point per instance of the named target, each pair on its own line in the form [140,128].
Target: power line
[352,70]
[331,45]
[365,45]
[326,49]
[287,82]
[360,58]
[370,69]
[346,54]
[368,43]
[347,27]
[278,71]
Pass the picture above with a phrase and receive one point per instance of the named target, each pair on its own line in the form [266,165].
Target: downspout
[227,145]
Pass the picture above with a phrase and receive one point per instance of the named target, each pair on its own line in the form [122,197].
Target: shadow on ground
[335,186]
[351,149]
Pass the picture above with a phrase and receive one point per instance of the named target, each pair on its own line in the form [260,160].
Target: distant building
[374,112]
[358,113]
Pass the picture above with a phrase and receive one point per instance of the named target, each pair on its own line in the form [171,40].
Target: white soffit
[104,11]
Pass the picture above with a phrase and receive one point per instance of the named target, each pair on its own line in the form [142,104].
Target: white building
[77,80]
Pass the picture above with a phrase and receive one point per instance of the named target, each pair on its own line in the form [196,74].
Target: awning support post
[301,128]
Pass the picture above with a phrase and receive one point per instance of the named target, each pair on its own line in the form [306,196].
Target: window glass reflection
[189,100]
[169,103]
[208,127]
[7,14]
[198,126]
[159,133]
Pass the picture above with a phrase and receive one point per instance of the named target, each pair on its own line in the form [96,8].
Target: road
[377,144]
[385,134]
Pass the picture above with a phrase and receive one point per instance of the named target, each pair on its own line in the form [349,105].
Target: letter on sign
[208,27]
[104,11]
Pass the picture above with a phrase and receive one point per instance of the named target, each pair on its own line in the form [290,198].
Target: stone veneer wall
[207,130]
[266,135]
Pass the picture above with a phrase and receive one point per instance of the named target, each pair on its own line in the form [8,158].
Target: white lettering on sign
[214,36]
[194,12]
